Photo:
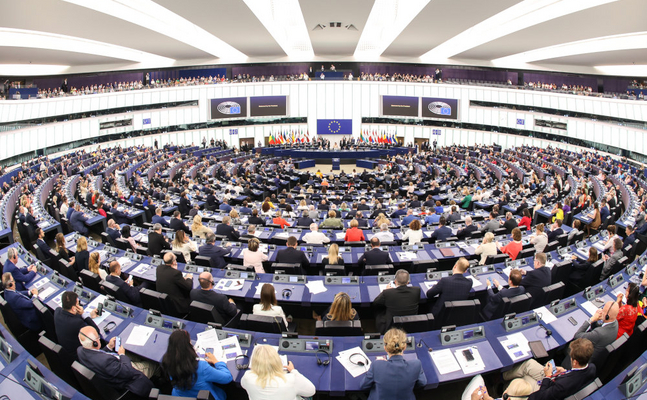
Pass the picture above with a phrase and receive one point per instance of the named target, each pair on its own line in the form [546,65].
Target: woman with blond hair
[487,248]
[82,256]
[341,309]
[267,379]
[235,218]
[393,377]
[199,230]
[94,265]
[381,219]
[183,244]
[61,248]
[252,257]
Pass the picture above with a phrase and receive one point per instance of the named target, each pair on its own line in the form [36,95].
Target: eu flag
[334,126]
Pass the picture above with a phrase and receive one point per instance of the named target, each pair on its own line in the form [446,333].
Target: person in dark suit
[305,220]
[579,268]
[255,219]
[158,219]
[205,294]
[40,242]
[120,217]
[361,222]
[451,288]
[156,241]
[185,205]
[601,329]
[131,293]
[536,280]
[177,224]
[375,256]
[78,220]
[611,261]
[556,230]
[291,255]
[113,230]
[510,223]
[225,229]
[117,371]
[170,281]
[30,220]
[68,321]
[215,253]
[630,236]
[21,304]
[467,231]
[442,232]
[395,377]
[565,382]
[23,275]
[398,299]
[495,298]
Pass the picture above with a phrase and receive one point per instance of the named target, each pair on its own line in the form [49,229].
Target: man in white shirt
[384,234]
[314,236]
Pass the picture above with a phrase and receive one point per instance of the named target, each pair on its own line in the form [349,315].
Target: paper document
[550,264]
[546,315]
[230,284]
[590,308]
[257,234]
[316,287]
[407,255]
[258,289]
[93,305]
[139,335]
[385,285]
[224,350]
[469,366]
[599,246]
[40,283]
[340,235]
[125,262]
[475,282]
[46,293]
[430,284]
[357,355]
[507,271]
[141,269]
[516,346]
[103,254]
[444,361]
[282,235]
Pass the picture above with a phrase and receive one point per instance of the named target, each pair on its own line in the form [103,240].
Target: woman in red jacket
[513,248]
[354,234]
[526,220]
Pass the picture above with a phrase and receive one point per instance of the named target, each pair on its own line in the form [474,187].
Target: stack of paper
[340,235]
[125,262]
[257,234]
[141,269]
[430,284]
[475,282]
[516,346]
[469,366]
[224,350]
[46,293]
[590,308]
[316,287]
[444,361]
[139,335]
[358,356]
[408,255]
[383,286]
[282,235]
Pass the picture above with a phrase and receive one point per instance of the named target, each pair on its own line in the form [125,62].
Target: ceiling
[100,35]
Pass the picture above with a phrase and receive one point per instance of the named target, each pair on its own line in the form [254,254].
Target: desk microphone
[421,342]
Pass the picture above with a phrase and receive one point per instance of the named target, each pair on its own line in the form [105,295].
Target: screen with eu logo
[334,126]
[231,107]
[435,107]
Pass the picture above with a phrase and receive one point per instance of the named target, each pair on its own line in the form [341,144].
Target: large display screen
[400,106]
[436,107]
[264,106]
[334,126]
[231,107]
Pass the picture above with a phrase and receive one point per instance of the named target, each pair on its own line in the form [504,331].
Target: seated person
[396,300]
[333,257]
[113,230]
[341,309]
[451,288]
[252,257]
[332,221]
[268,306]
[158,219]
[487,248]
[280,221]
[131,293]
[177,224]
[564,383]
[414,234]
[354,234]
[215,253]
[21,303]
[205,294]
[291,255]
[225,229]
[21,276]
[465,233]
[442,232]
[515,246]
[174,284]
[384,235]
[68,321]
[496,293]
[112,365]
[375,256]
[314,236]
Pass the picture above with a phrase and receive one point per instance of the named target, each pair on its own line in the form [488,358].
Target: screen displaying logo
[335,126]
[228,108]
[440,108]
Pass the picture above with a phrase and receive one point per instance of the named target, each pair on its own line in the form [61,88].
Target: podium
[335,164]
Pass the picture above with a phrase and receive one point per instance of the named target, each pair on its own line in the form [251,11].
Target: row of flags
[288,137]
[367,136]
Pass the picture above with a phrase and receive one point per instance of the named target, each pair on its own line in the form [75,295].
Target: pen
[155,340]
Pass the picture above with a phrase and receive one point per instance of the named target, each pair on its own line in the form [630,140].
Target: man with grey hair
[467,231]
[384,235]
[21,275]
[510,223]
[170,281]
[21,303]
[111,364]
[215,253]
[225,229]
[158,219]
[398,299]
[251,230]
[225,307]
[156,241]
[312,213]
[314,236]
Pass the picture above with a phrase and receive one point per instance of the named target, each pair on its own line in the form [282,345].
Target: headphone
[319,360]
[244,365]
[108,327]
[360,363]
[286,293]
[94,342]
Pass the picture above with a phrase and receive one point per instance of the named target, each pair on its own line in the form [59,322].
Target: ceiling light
[387,20]
[520,16]
[623,70]
[51,41]
[284,21]
[150,15]
[31,69]
[628,41]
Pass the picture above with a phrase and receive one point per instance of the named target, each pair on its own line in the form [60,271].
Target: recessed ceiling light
[623,70]
[31,69]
